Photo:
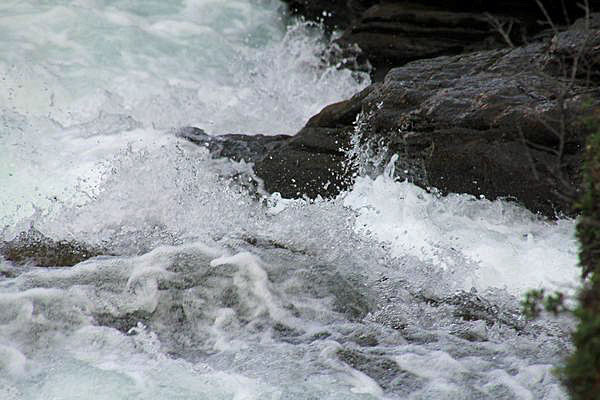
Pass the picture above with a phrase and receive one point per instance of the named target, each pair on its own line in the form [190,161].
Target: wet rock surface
[348,299]
[36,248]
[501,123]
[235,147]
[383,370]
[486,123]
[391,33]
[471,307]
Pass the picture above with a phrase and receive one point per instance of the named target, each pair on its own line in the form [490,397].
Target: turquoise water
[213,292]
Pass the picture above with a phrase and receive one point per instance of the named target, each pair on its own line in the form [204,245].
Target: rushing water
[211,293]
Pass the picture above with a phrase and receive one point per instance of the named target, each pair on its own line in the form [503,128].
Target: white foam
[69,102]
[361,383]
[54,167]
[240,65]
[252,279]
[434,365]
[101,363]
[510,247]
[12,361]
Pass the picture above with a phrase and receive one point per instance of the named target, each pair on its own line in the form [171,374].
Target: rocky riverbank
[504,122]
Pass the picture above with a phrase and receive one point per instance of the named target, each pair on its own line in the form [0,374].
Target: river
[210,289]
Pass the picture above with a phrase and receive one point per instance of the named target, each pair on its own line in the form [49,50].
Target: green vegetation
[536,299]
[581,372]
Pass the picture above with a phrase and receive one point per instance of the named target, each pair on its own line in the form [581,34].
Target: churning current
[210,289]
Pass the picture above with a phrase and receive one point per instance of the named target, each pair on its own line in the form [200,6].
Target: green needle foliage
[581,372]
[536,299]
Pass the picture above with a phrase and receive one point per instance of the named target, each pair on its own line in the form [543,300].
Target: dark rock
[500,123]
[335,14]
[348,298]
[339,14]
[285,333]
[311,162]
[393,32]
[307,164]
[485,123]
[235,147]
[270,244]
[125,322]
[470,335]
[40,250]
[383,370]
[470,306]
[320,336]
[365,339]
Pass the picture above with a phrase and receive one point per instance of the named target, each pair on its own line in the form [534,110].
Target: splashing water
[504,245]
[205,291]
[85,79]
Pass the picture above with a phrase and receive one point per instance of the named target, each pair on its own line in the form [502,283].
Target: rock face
[487,123]
[336,14]
[391,33]
[499,123]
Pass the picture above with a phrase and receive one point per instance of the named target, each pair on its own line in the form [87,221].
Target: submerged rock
[348,297]
[123,323]
[383,370]
[235,147]
[469,306]
[36,248]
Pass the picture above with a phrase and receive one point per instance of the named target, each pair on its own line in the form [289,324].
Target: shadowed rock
[472,307]
[125,322]
[383,370]
[348,297]
[235,147]
[391,33]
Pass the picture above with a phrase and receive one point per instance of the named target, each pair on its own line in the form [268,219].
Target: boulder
[497,123]
[501,123]
[233,146]
[381,369]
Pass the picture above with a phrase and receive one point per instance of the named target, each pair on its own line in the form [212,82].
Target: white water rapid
[207,291]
